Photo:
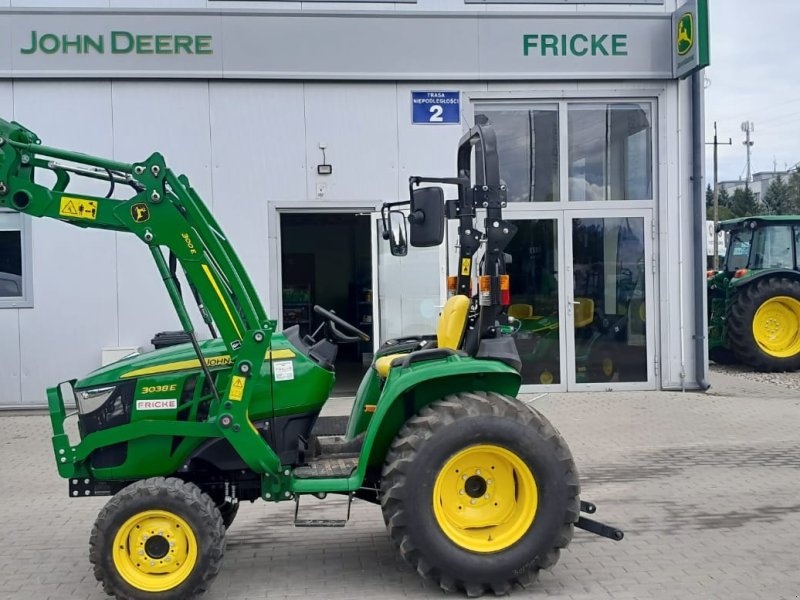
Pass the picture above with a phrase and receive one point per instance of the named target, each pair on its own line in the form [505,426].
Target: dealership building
[295,121]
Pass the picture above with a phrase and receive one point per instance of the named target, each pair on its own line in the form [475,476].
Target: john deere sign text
[117,42]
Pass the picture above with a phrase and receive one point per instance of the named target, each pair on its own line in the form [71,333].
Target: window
[610,152]
[527,144]
[772,248]
[15,280]
[797,247]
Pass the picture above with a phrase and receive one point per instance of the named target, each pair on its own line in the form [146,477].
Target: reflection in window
[772,249]
[527,144]
[10,264]
[533,272]
[610,152]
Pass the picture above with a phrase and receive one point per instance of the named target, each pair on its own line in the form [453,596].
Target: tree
[793,185]
[778,200]
[743,203]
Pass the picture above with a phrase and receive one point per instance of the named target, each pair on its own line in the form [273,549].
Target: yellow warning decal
[78,208]
[237,388]
[466,266]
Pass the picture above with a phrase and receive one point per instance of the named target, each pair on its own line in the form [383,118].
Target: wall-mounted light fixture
[324,168]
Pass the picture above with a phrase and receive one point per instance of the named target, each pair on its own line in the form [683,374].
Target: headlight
[90,400]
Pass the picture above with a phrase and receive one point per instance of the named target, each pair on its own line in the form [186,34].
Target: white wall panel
[171,118]
[75,296]
[258,150]
[358,122]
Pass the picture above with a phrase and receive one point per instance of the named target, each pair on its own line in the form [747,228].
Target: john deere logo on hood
[685,34]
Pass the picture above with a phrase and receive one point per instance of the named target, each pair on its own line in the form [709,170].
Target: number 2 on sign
[436,113]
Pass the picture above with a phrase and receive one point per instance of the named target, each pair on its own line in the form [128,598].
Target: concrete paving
[704,485]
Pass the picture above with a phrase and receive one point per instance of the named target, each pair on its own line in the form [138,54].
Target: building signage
[117,42]
[690,38]
[307,45]
[435,108]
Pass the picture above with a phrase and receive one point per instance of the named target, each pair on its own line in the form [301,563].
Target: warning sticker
[466,266]
[283,370]
[237,388]
[78,208]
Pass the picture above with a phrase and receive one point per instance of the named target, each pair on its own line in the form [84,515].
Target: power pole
[717,144]
[748,127]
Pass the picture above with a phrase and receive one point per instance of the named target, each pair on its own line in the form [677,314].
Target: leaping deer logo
[685,34]
[140,213]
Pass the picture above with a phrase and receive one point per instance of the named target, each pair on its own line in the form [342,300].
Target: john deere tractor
[754,300]
[478,491]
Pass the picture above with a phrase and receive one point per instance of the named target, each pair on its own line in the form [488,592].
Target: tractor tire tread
[740,314]
[400,459]
[159,487]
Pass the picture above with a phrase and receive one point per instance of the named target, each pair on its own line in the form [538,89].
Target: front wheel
[479,493]
[157,539]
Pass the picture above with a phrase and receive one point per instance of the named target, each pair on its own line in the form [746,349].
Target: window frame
[26,300]
[478,102]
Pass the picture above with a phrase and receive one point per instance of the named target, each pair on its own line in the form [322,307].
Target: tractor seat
[584,312]
[449,333]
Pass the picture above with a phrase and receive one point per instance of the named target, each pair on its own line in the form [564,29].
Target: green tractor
[754,300]
[478,491]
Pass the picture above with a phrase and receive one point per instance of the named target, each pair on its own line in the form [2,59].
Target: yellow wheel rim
[546,378]
[642,312]
[155,551]
[485,498]
[776,326]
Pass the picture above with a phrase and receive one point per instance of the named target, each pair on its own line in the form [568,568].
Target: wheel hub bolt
[473,501]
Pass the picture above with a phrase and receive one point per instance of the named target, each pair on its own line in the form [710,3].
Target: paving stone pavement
[706,488]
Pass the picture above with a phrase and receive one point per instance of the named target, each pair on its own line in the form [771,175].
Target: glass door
[609,281]
[537,292]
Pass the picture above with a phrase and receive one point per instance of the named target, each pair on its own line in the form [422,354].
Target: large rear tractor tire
[157,539]
[764,324]
[480,493]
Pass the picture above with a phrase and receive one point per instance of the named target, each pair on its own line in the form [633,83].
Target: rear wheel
[157,539]
[764,324]
[480,492]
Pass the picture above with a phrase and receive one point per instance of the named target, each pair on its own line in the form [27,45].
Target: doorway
[581,290]
[326,259]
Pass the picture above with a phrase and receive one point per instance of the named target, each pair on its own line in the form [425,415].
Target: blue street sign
[435,108]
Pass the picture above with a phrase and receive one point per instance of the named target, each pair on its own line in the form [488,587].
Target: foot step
[321,522]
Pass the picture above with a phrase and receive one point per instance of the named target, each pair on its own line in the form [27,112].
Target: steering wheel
[333,320]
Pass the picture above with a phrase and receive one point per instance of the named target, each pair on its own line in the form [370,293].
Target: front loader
[477,489]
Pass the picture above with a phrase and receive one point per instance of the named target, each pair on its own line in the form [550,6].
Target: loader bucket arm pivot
[166,213]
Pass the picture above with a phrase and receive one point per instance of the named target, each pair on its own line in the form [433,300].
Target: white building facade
[249,98]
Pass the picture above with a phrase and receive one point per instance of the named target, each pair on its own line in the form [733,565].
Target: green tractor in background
[754,299]
[477,489]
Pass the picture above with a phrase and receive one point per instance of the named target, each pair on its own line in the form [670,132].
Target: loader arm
[166,213]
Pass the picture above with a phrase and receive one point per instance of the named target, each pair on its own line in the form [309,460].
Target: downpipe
[699,225]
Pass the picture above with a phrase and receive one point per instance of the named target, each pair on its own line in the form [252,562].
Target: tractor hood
[165,360]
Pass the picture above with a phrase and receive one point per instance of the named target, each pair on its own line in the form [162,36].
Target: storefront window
[610,152]
[12,261]
[527,142]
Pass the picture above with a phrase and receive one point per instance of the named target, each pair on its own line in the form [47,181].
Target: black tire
[602,366]
[741,314]
[184,500]
[228,511]
[419,453]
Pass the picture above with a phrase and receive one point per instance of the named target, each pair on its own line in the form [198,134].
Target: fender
[761,273]
[408,390]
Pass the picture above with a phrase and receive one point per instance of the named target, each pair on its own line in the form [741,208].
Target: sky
[754,76]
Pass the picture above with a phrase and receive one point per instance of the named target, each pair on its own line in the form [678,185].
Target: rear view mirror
[395,231]
[427,217]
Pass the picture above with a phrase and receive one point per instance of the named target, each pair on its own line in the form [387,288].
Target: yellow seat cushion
[452,322]
[584,312]
[384,363]
[520,311]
